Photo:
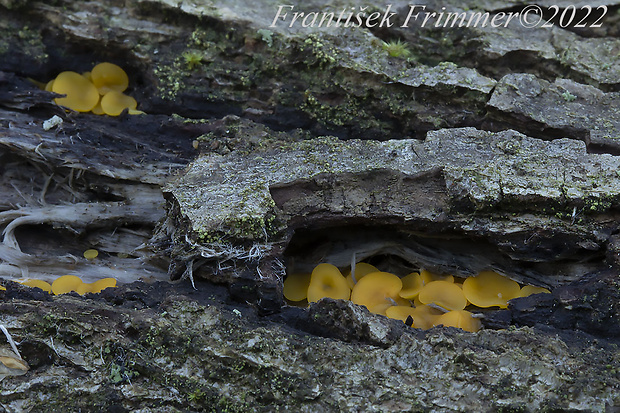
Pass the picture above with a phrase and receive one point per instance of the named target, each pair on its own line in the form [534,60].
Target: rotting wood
[145,346]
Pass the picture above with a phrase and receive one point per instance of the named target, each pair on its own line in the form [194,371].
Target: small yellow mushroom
[489,289]
[81,95]
[378,291]
[66,284]
[424,316]
[400,312]
[428,277]
[445,294]
[102,284]
[108,76]
[91,254]
[2,288]
[97,110]
[462,319]
[296,286]
[361,269]
[412,285]
[95,287]
[528,290]
[114,102]
[45,286]
[327,281]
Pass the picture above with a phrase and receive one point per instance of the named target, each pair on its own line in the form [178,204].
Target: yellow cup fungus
[327,281]
[99,91]
[412,285]
[113,103]
[424,316]
[108,76]
[44,285]
[296,286]
[400,312]
[437,299]
[69,283]
[459,318]
[98,110]
[445,294]
[95,287]
[428,277]
[527,290]
[66,284]
[102,284]
[361,269]
[91,254]
[2,288]
[81,95]
[378,291]
[489,289]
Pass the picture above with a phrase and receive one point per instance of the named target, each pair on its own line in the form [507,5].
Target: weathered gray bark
[271,149]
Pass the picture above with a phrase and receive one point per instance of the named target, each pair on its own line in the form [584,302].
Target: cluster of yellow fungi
[99,91]
[420,299]
[70,283]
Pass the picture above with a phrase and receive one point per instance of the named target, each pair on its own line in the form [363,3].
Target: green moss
[569,97]
[192,59]
[320,54]
[396,49]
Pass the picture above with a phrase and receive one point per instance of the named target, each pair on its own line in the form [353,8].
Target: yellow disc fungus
[2,288]
[531,289]
[81,95]
[327,281]
[91,254]
[361,269]
[114,102]
[489,289]
[296,286]
[108,76]
[66,284]
[462,319]
[444,294]
[412,285]
[82,289]
[45,286]
[49,85]
[97,110]
[428,277]
[424,316]
[378,291]
[101,285]
[417,302]
[95,287]
[400,312]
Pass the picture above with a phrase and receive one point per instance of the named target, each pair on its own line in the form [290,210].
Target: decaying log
[269,148]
